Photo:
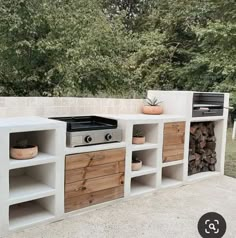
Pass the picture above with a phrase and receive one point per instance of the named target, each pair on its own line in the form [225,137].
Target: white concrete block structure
[32,191]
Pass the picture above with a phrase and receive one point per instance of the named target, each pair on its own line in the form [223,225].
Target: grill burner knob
[88,139]
[108,137]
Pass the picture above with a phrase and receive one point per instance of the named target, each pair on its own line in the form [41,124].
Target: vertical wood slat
[173,142]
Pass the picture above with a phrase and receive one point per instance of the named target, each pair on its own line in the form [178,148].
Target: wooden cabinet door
[173,143]
[94,177]
[82,160]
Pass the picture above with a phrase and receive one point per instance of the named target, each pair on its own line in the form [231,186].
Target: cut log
[202,145]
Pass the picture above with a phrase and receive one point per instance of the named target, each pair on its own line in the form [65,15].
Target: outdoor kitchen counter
[146,117]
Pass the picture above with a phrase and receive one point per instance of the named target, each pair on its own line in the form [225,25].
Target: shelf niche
[44,139]
[216,153]
[32,212]
[149,161]
[143,184]
[150,132]
[31,182]
[172,176]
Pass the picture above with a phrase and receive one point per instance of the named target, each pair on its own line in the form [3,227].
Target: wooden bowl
[24,153]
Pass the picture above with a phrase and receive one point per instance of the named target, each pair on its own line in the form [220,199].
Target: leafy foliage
[153,101]
[116,47]
[138,133]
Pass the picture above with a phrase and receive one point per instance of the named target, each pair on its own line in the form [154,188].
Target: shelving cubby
[150,131]
[146,179]
[143,184]
[44,139]
[25,214]
[31,183]
[172,176]
[31,191]
[220,127]
[149,162]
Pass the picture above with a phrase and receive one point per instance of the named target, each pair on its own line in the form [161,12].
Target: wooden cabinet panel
[93,185]
[93,198]
[94,171]
[94,177]
[173,142]
[174,139]
[77,161]
[174,127]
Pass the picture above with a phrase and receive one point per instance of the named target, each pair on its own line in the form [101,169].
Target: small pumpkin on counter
[22,150]
[152,107]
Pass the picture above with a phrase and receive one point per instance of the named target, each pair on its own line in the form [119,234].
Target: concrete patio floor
[165,214]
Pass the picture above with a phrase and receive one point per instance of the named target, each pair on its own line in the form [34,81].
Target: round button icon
[212,225]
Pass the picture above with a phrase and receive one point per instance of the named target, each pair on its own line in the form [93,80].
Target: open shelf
[41,158]
[211,118]
[166,164]
[29,213]
[44,139]
[202,175]
[25,188]
[143,171]
[145,146]
[149,162]
[217,150]
[150,131]
[30,183]
[172,176]
[143,184]
[169,182]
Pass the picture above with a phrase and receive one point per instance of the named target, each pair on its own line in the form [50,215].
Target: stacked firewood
[202,144]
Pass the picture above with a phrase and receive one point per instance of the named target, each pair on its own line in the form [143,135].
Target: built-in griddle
[88,123]
[90,130]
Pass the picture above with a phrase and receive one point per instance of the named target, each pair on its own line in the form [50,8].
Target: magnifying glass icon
[212,226]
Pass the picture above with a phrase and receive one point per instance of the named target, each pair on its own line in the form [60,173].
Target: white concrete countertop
[15,122]
[145,117]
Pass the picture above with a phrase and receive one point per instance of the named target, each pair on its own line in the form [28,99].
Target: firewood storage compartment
[93,177]
[205,147]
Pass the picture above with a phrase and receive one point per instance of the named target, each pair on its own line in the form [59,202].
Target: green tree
[60,48]
[116,47]
[24,67]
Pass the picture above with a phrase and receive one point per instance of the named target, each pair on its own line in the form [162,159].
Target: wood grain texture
[174,127]
[173,142]
[93,198]
[93,185]
[77,161]
[94,171]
